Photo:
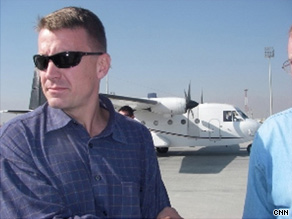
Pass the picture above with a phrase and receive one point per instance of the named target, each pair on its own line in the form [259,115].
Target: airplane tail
[37,96]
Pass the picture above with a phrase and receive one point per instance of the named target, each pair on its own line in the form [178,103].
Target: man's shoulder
[129,123]
[23,119]
[17,130]
[286,114]
[29,120]
[131,128]
[275,132]
[278,120]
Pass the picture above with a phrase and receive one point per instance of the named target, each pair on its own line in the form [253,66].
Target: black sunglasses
[61,60]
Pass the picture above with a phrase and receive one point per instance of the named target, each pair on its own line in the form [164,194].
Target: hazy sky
[161,45]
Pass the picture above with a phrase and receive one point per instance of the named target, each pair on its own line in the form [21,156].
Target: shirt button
[90,145]
[97,177]
[104,213]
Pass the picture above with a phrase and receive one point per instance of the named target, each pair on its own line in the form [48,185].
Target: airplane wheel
[162,150]
[248,148]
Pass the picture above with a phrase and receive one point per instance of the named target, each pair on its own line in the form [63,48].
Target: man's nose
[52,71]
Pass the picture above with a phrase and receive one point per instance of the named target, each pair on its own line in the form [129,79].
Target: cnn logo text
[281,212]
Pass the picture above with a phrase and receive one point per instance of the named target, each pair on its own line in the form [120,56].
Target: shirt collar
[57,119]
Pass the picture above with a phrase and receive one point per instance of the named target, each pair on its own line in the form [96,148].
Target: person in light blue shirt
[74,156]
[269,186]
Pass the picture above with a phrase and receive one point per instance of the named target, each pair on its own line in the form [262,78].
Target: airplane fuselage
[205,125]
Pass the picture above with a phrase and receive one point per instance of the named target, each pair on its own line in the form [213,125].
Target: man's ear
[103,65]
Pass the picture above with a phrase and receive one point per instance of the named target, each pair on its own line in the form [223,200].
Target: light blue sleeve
[258,202]
[270,167]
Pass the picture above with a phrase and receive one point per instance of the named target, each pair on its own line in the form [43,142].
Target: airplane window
[236,117]
[232,116]
[227,116]
[242,114]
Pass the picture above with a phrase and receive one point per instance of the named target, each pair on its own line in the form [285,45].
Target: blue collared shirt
[269,187]
[51,167]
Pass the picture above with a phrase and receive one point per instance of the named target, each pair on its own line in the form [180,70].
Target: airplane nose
[253,127]
[251,132]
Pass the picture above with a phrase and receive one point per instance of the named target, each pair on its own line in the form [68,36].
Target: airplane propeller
[190,104]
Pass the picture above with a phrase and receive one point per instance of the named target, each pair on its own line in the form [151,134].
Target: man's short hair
[73,18]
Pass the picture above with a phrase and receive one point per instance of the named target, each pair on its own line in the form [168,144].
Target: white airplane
[177,122]
[181,122]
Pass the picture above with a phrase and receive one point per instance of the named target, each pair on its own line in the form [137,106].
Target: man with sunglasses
[74,156]
[269,187]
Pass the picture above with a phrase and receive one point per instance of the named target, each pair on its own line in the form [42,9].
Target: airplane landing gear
[249,148]
[162,150]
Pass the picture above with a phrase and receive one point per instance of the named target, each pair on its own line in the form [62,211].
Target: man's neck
[94,122]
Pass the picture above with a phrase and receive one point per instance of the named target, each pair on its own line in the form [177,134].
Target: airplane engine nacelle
[169,105]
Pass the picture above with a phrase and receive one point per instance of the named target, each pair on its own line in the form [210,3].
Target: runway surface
[206,182]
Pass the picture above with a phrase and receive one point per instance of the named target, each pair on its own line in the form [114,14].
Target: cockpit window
[233,116]
[243,115]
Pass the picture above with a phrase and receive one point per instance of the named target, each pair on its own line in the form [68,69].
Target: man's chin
[57,104]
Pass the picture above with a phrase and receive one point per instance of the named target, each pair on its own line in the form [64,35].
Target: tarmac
[206,182]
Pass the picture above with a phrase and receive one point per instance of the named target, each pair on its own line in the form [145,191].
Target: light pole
[269,53]
[245,101]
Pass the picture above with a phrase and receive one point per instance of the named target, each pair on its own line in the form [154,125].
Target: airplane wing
[15,111]
[135,103]
[118,101]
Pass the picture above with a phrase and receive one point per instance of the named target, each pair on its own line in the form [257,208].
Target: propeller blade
[190,104]
[189,92]
[188,121]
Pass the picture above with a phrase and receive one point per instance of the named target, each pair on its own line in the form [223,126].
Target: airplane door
[214,130]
